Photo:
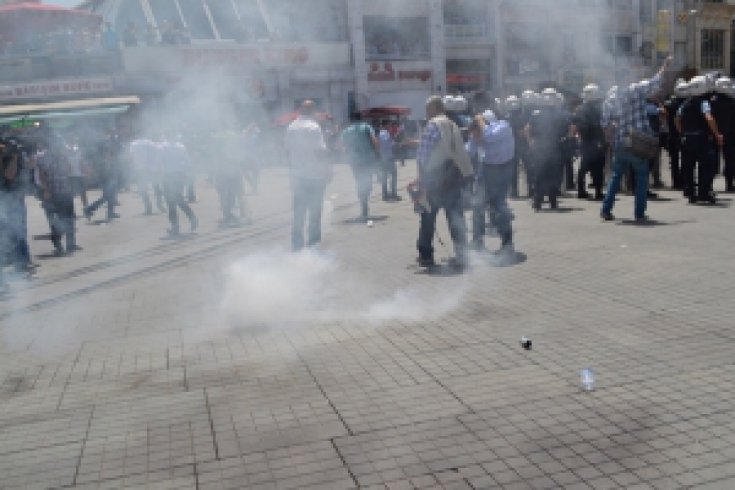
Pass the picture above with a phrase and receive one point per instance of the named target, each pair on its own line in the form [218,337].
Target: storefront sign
[56,88]
[384,72]
[246,55]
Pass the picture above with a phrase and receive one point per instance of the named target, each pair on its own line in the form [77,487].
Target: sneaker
[397,198]
[505,250]
[583,195]
[74,248]
[599,197]
[112,216]
[457,263]
[173,233]
[607,216]
[642,219]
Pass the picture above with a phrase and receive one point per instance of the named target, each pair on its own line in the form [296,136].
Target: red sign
[387,74]
[56,88]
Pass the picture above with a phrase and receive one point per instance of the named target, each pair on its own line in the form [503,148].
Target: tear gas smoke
[286,290]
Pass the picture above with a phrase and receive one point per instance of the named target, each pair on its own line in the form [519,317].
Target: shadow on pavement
[560,210]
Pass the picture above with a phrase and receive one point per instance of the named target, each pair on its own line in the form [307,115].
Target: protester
[388,168]
[363,151]
[310,172]
[443,169]
[175,163]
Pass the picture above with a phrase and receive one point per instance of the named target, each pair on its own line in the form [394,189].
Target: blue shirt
[386,145]
[497,146]
[628,109]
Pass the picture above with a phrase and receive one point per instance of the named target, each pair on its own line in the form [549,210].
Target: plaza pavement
[119,369]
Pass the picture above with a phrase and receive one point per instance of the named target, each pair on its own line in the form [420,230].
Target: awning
[67,109]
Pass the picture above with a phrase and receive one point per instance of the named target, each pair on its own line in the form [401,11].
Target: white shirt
[304,141]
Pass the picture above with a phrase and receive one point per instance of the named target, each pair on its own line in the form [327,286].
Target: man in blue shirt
[625,113]
[493,144]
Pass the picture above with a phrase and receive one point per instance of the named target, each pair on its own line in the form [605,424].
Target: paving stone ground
[120,367]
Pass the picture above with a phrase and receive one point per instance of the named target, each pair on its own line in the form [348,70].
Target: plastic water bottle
[588,380]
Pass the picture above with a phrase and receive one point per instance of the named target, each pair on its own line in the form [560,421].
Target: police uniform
[588,120]
[548,126]
[697,148]
[673,142]
[723,110]
[517,123]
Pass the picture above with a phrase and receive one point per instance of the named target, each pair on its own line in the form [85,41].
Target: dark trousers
[60,213]
[145,196]
[495,180]
[593,161]
[674,151]
[654,165]
[173,189]
[514,163]
[568,166]
[728,154]
[364,181]
[109,196]
[389,178]
[697,153]
[451,202]
[231,190]
[546,182]
[308,199]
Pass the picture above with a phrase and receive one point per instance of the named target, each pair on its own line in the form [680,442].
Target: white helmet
[549,97]
[724,86]
[643,84]
[591,93]
[489,116]
[699,86]
[681,89]
[613,91]
[512,103]
[529,97]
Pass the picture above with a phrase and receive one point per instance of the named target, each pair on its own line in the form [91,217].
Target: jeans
[308,198]
[496,180]
[173,189]
[389,171]
[364,181]
[451,202]
[622,162]
[231,190]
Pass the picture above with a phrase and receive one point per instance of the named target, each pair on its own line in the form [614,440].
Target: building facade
[357,54]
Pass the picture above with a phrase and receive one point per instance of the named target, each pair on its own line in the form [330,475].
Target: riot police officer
[723,110]
[588,123]
[514,115]
[673,141]
[546,129]
[699,132]
[529,104]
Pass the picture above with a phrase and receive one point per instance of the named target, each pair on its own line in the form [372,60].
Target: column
[438,46]
[357,41]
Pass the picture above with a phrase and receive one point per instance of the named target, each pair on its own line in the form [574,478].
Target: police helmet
[681,89]
[591,93]
[549,97]
[699,85]
[512,103]
[528,98]
[724,86]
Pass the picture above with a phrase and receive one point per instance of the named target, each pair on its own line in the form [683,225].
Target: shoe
[506,249]
[658,185]
[59,252]
[457,263]
[112,216]
[692,200]
[651,195]
[88,214]
[583,195]
[599,197]
[477,246]
[173,233]
[642,219]
[397,198]
[74,248]
[426,261]
[607,216]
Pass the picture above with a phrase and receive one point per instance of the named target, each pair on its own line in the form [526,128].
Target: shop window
[713,48]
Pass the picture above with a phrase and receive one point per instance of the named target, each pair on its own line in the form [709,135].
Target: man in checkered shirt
[623,113]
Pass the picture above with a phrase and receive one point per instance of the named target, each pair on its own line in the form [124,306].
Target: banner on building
[663,31]
[56,88]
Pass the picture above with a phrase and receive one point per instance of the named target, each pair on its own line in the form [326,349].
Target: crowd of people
[60,166]
[623,130]
[477,170]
